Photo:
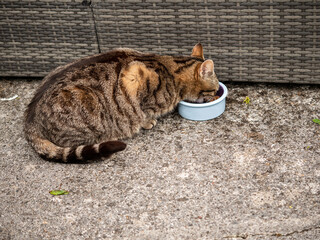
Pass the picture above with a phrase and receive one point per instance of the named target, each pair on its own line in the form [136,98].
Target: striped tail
[90,152]
[83,153]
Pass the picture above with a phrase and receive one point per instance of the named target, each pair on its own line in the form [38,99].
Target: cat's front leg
[149,123]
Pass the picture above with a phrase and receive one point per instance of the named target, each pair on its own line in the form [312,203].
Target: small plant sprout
[247,100]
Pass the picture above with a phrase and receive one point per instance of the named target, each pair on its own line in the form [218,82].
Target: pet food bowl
[205,111]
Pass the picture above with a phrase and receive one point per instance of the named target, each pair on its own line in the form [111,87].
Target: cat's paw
[149,124]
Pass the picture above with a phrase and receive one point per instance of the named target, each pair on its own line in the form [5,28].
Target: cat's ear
[206,69]
[197,51]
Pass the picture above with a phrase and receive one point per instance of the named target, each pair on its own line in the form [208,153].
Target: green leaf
[59,192]
[316,120]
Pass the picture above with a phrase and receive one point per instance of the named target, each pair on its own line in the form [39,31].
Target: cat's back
[112,61]
[97,71]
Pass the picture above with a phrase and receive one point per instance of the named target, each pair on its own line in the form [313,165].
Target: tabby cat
[82,109]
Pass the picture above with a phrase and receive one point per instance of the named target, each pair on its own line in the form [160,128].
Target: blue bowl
[205,111]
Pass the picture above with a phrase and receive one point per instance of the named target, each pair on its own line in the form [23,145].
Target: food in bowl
[205,99]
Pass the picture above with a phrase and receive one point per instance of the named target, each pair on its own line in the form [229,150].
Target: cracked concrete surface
[252,173]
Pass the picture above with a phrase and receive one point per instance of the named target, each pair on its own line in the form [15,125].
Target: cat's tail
[83,153]
[90,152]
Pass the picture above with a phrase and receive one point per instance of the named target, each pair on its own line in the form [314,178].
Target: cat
[82,110]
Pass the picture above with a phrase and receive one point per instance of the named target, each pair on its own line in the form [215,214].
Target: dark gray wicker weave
[36,36]
[258,40]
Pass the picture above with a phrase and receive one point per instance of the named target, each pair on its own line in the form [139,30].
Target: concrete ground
[252,173]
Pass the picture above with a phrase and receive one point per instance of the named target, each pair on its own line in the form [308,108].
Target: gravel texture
[252,173]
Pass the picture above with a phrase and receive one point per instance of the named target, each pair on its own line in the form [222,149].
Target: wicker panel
[258,40]
[36,36]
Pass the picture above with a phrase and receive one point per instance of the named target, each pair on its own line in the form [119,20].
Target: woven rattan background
[258,40]
[37,35]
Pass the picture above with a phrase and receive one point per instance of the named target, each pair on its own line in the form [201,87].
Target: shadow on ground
[252,173]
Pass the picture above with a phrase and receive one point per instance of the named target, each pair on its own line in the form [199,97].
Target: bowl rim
[200,105]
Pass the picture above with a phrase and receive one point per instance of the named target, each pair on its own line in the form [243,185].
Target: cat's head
[206,83]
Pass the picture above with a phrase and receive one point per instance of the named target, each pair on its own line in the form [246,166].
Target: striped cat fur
[82,110]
